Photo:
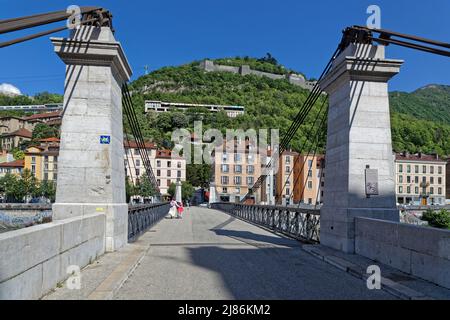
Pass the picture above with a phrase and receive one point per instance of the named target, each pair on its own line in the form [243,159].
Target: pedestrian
[173,208]
[180,210]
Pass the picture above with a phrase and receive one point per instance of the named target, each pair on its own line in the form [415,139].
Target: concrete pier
[359,173]
[91,171]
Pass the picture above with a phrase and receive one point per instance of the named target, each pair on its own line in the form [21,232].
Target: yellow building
[42,159]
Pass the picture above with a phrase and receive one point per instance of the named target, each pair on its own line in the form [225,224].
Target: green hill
[431,102]
[420,120]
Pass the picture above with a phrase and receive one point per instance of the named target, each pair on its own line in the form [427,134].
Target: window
[400,189]
[408,189]
[416,179]
[158,173]
[179,164]
[408,168]
[46,166]
[179,174]
[55,176]
[310,184]
[416,190]
[439,180]
[309,173]
[431,180]
[136,152]
[224,190]
[158,182]
[288,191]
[288,169]
[169,173]
[238,169]
[224,157]
[431,190]
[439,190]
[33,159]
[138,172]
[424,169]
[169,164]
[158,163]
[46,158]
[400,168]
[33,169]
[250,180]
[416,169]
[288,159]
[309,201]
[46,176]
[250,169]
[408,179]
[400,179]
[424,179]
[169,182]
[288,181]
[237,157]
[224,180]
[237,180]
[439,170]
[432,169]
[138,163]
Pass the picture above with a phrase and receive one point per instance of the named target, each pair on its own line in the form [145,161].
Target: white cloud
[9,89]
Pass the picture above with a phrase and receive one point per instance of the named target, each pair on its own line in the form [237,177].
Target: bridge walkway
[210,255]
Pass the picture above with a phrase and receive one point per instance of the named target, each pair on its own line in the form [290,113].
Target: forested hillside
[420,120]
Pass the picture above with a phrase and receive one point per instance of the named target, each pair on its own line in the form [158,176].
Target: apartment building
[235,172]
[42,159]
[166,168]
[300,179]
[420,179]
[447,181]
[12,167]
[11,124]
[133,159]
[9,141]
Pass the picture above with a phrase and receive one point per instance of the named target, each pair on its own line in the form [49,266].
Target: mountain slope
[431,102]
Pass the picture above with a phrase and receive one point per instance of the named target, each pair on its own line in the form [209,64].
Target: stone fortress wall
[295,79]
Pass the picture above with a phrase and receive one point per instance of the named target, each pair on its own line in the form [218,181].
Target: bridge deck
[209,255]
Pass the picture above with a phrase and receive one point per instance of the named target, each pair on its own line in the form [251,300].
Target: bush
[438,219]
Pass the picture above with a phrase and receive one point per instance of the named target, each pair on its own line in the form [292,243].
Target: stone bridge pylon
[359,174]
[91,170]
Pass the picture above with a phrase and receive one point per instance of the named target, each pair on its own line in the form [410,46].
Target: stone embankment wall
[420,251]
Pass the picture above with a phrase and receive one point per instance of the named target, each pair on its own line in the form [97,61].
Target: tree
[198,175]
[187,190]
[43,131]
[18,154]
[47,189]
[145,188]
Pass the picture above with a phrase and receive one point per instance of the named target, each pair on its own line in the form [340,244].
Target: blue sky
[300,34]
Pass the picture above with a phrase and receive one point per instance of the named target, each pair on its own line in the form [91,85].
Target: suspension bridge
[228,251]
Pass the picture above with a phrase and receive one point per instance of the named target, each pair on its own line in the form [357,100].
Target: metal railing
[143,216]
[298,223]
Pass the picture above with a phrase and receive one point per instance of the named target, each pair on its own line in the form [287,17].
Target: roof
[134,145]
[52,139]
[54,114]
[20,133]
[11,117]
[13,164]
[418,157]
[166,154]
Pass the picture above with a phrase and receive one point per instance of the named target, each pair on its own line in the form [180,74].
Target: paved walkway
[209,255]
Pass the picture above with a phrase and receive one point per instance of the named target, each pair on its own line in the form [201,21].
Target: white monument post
[91,175]
[359,178]
[178,196]
[212,193]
